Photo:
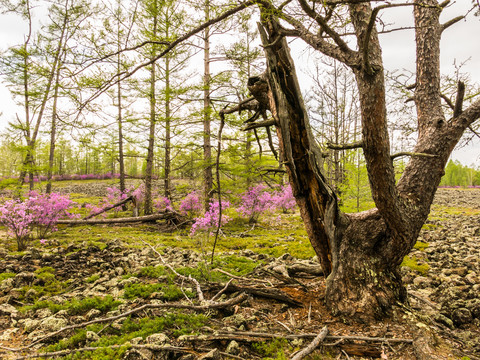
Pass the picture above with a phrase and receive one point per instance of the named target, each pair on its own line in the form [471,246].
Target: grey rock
[158,339]
[233,348]
[43,313]
[138,354]
[92,336]
[92,314]
[9,310]
[53,323]
[461,316]
[7,285]
[442,319]
[212,355]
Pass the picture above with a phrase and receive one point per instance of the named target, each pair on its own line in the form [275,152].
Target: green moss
[6,275]
[412,263]
[420,245]
[273,350]
[92,278]
[153,272]
[173,324]
[167,291]
[77,306]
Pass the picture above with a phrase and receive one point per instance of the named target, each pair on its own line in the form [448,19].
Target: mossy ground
[274,235]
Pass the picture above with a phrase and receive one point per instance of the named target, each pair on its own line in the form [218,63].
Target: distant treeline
[457,174]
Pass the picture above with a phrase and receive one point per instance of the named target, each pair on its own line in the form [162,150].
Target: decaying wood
[263,292]
[362,350]
[260,336]
[120,203]
[312,346]
[147,218]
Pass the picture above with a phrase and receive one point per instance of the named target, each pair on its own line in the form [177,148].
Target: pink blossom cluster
[210,219]
[284,199]
[39,212]
[162,203]
[191,204]
[256,201]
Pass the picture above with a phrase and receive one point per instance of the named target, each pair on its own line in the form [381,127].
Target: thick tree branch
[451,22]
[260,124]
[342,45]
[356,145]
[406,153]
[457,110]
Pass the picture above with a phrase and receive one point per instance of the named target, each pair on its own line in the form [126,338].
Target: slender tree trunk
[167,193]
[207,147]
[148,207]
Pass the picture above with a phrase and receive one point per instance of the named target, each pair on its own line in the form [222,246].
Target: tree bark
[207,108]
[351,248]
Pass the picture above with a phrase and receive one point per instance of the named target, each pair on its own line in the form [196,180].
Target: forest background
[78,116]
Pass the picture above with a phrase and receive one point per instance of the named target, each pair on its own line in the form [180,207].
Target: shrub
[38,213]
[210,219]
[255,202]
[284,199]
[191,205]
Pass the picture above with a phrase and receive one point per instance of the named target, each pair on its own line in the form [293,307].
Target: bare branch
[448,101]
[355,145]
[451,22]
[312,346]
[260,124]
[457,110]
[405,153]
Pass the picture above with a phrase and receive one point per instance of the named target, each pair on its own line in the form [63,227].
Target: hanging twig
[217,169]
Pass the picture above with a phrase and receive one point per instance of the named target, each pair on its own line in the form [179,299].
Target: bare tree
[361,253]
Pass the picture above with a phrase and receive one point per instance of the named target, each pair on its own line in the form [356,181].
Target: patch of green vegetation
[173,324]
[168,291]
[273,350]
[77,306]
[6,275]
[92,278]
[236,265]
[420,245]
[412,263]
[152,272]
[455,210]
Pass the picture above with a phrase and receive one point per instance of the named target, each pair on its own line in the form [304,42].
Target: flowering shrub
[255,202]
[38,213]
[284,199]
[210,219]
[191,204]
[162,204]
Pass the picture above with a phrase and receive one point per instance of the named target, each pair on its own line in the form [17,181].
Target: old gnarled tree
[361,253]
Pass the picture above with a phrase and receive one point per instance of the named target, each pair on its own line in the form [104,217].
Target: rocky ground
[41,293]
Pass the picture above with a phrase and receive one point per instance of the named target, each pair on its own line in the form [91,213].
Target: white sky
[459,43]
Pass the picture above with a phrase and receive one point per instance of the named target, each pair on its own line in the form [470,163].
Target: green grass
[412,263]
[169,292]
[77,306]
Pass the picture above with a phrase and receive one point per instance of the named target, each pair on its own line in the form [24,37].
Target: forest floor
[149,292]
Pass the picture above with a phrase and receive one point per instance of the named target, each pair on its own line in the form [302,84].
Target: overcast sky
[460,43]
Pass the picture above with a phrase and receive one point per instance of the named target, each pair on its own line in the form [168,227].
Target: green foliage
[174,324]
[77,306]
[165,291]
[457,174]
[6,275]
[152,272]
[92,278]
[412,263]
[273,350]
[355,194]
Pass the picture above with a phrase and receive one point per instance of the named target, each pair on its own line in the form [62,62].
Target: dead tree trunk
[351,248]
[361,253]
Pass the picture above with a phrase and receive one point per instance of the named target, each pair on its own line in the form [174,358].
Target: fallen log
[145,218]
[263,292]
[312,346]
[120,203]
